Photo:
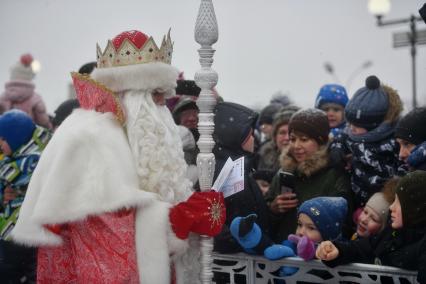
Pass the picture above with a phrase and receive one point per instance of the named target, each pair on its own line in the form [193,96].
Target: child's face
[334,114]
[302,146]
[405,149]
[396,214]
[5,148]
[305,227]
[369,222]
[355,130]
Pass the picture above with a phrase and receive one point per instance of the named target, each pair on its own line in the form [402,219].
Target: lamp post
[379,8]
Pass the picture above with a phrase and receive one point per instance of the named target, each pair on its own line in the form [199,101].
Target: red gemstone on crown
[136,37]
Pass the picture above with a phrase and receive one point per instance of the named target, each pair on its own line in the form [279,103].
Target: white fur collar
[148,76]
[87,168]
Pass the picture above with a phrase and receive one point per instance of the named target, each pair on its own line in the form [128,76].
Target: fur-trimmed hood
[395,105]
[148,76]
[317,162]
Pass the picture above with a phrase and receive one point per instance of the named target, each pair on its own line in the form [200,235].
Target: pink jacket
[20,95]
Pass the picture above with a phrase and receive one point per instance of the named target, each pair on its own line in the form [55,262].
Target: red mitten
[203,213]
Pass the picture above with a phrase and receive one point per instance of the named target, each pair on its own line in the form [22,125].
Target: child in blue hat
[21,143]
[319,219]
[332,99]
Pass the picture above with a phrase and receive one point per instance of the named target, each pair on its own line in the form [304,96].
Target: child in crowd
[410,134]
[369,150]
[19,92]
[373,216]
[319,219]
[400,244]
[234,139]
[21,143]
[332,99]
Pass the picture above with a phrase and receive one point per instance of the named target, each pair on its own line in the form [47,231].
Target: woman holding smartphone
[305,173]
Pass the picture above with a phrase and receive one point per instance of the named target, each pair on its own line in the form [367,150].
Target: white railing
[244,268]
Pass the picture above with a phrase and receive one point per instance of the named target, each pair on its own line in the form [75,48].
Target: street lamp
[379,8]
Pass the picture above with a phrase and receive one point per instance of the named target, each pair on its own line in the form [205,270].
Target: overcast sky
[264,46]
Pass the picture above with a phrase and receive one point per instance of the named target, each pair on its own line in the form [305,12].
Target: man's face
[189,118]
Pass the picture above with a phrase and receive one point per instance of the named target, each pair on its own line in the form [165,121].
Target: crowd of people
[106,190]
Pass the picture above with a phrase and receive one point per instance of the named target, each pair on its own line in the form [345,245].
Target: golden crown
[134,47]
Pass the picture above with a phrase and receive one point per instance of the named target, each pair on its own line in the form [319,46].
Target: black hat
[267,114]
[87,68]
[368,107]
[412,196]
[312,122]
[411,127]
[187,87]
[64,110]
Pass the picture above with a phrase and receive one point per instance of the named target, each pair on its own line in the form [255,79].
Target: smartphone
[287,181]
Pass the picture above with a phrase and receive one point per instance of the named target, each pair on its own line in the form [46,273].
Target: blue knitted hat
[327,213]
[368,107]
[16,127]
[332,93]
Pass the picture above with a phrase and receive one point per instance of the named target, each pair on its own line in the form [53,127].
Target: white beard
[156,146]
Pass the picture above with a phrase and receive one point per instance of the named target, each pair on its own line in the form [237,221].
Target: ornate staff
[206,34]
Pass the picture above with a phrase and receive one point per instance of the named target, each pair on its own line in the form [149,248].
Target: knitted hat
[183,104]
[16,127]
[64,110]
[412,196]
[380,205]
[332,93]
[327,213]
[411,127]
[368,107]
[312,122]
[22,70]
[283,117]
[267,114]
